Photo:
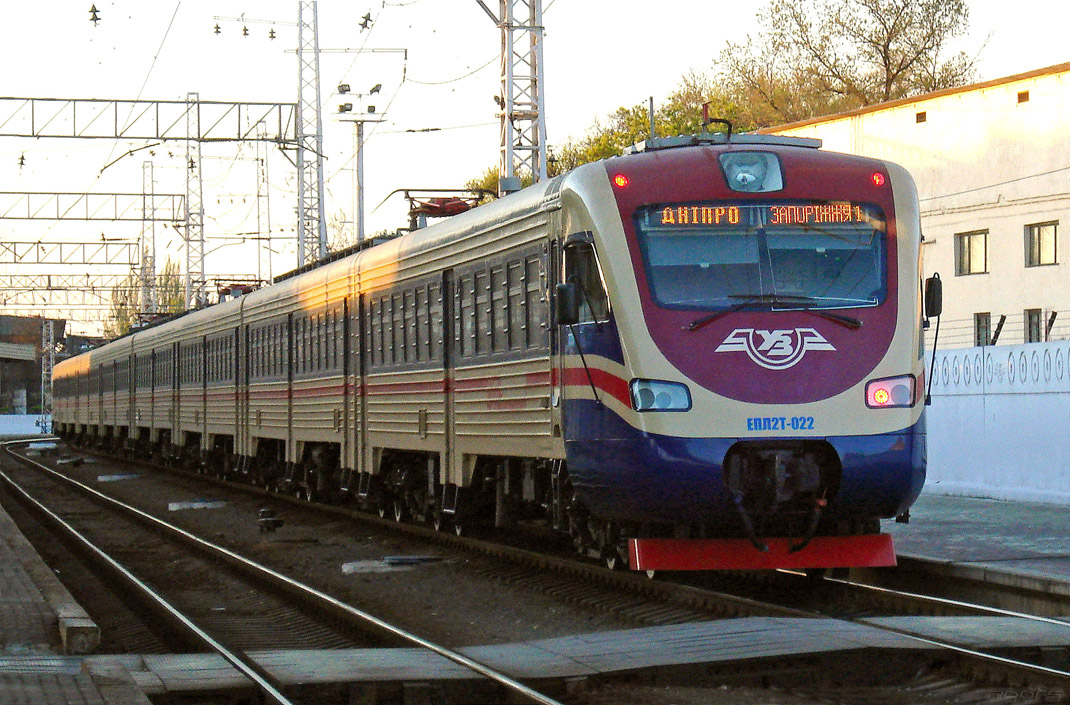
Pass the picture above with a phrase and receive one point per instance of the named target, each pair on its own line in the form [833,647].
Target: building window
[920,117]
[1023,96]
[982,329]
[1033,325]
[971,253]
[1040,244]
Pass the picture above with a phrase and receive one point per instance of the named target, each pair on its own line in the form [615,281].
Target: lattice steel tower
[311,223]
[196,293]
[523,121]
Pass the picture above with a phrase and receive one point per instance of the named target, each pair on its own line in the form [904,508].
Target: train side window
[535,304]
[581,266]
[314,337]
[462,319]
[481,313]
[413,313]
[385,341]
[317,342]
[415,320]
[299,361]
[306,341]
[328,331]
[339,337]
[435,315]
[499,309]
[514,280]
[299,346]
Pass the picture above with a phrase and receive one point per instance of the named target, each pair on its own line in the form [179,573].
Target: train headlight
[655,395]
[752,172]
[891,392]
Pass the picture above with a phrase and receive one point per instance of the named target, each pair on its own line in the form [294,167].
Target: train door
[290,360]
[151,420]
[451,477]
[202,403]
[243,442]
[361,341]
[236,372]
[116,385]
[131,392]
[346,459]
[557,358]
[101,387]
[585,338]
[176,397]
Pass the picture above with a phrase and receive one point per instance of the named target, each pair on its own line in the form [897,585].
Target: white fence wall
[999,424]
[21,424]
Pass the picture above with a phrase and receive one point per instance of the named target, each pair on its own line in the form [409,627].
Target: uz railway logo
[774,349]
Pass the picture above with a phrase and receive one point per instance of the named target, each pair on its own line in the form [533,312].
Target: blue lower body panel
[623,473]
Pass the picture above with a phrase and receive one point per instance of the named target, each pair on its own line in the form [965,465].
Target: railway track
[286,603]
[669,601]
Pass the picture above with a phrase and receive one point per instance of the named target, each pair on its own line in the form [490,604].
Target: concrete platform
[37,613]
[1013,543]
[39,619]
[579,656]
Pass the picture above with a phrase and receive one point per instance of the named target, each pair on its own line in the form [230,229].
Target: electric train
[703,354]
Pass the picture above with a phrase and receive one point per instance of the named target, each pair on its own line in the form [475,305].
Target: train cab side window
[581,266]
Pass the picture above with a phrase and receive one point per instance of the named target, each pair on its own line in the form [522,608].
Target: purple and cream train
[703,354]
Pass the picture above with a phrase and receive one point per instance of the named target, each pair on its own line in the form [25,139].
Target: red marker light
[620,180]
[878,178]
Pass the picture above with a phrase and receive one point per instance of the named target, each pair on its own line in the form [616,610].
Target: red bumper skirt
[870,550]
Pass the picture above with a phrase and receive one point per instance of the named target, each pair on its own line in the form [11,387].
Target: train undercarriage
[778,494]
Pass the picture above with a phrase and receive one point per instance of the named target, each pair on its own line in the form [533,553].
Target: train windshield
[775,255]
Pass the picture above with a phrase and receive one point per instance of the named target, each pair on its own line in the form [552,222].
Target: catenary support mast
[311,223]
[523,121]
[196,294]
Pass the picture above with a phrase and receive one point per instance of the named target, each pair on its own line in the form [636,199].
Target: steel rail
[242,663]
[951,603]
[695,592]
[294,585]
[948,645]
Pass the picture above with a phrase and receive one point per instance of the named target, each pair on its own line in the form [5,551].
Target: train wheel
[459,528]
[652,574]
[399,511]
[381,508]
[614,561]
[438,520]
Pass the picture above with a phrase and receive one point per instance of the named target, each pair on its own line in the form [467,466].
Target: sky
[439,127]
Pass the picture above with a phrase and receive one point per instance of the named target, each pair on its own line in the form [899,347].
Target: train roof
[721,138]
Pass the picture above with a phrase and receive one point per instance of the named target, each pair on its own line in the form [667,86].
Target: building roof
[14,351]
[1049,70]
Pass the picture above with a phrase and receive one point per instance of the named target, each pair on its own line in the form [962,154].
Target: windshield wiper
[785,300]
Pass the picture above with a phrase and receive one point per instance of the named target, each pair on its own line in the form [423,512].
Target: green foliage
[124,307]
[813,58]
[816,57]
[126,299]
[170,289]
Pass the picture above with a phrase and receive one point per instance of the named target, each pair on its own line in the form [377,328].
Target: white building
[992,165]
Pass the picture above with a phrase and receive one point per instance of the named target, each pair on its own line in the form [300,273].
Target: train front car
[742,356]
